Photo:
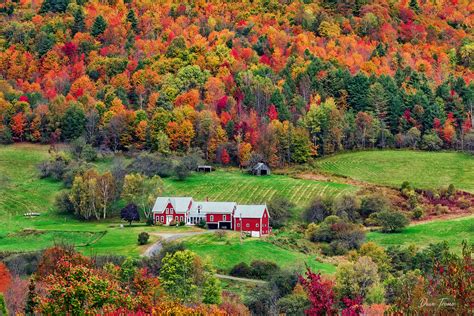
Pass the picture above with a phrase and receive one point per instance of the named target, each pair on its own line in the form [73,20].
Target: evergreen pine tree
[79,23]
[99,26]
[31,299]
[131,17]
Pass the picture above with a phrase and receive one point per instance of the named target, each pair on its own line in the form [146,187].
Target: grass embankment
[425,170]
[452,231]
[226,252]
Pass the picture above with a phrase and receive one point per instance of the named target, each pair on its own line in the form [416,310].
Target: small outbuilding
[202,168]
[260,169]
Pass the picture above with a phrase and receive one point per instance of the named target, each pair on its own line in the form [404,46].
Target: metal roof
[250,211]
[213,207]
[180,204]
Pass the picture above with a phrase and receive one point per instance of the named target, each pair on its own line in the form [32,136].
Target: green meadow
[452,231]
[427,170]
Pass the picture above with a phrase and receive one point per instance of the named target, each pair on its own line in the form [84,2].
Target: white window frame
[224,217]
[212,218]
[247,225]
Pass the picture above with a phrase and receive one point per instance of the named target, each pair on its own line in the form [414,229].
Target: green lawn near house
[426,170]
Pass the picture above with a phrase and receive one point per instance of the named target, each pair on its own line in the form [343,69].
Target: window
[224,218]
[256,225]
[248,225]
[212,218]
[162,218]
[238,225]
[181,218]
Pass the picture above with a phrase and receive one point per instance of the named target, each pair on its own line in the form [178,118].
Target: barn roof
[213,207]
[250,211]
[260,165]
[180,204]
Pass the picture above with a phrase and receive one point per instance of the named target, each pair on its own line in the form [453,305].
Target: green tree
[3,305]
[391,221]
[132,18]
[56,6]
[142,191]
[73,123]
[356,279]
[44,42]
[99,26]
[79,24]
[177,275]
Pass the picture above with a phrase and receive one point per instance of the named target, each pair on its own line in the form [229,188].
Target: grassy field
[226,252]
[428,170]
[234,185]
[453,231]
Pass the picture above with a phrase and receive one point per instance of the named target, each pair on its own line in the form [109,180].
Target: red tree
[5,278]
[225,159]
[320,293]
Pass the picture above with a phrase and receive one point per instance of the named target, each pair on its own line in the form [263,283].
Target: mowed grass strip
[227,252]
[452,231]
[29,240]
[427,170]
[235,185]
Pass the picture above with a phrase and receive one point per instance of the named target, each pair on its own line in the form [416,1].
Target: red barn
[217,215]
[252,219]
[169,209]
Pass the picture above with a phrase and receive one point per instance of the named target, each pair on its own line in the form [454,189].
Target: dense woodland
[281,80]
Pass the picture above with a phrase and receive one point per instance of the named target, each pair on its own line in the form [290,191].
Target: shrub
[63,203]
[464,203]
[391,221]
[182,223]
[341,234]
[201,224]
[318,210]
[173,223]
[441,209]
[374,203]
[241,269]
[451,190]
[280,211]
[3,305]
[143,238]
[263,269]
[220,234]
[347,207]
[431,142]
[417,213]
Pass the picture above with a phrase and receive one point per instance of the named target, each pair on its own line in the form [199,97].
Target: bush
[464,203]
[391,221]
[242,270]
[201,224]
[143,238]
[374,203]
[263,269]
[280,211]
[173,223]
[341,234]
[441,209]
[431,142]
[23,264]
[152,165]
[63,203]
[220,234]
[347,206]
[181,171]
[182,223]
[417,213]
[318,210]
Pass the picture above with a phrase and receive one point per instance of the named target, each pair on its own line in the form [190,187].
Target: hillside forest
[283,81]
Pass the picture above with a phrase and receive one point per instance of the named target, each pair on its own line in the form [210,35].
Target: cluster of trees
[93,195]
[176,281]
[285,81]
[66,282]
[375,281]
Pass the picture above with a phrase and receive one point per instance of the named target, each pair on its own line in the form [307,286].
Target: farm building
[260,169]
[217,215]
[251,219]
[171,209]
[202,168]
